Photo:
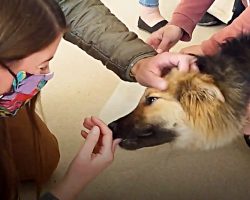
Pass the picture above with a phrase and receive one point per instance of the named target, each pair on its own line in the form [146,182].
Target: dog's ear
[201,99]
[199,88]
[210,89]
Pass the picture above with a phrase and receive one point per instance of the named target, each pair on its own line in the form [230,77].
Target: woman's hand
[94,156]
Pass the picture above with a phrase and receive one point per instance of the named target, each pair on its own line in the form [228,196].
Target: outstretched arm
[98,32]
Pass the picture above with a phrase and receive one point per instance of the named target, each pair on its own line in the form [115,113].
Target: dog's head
[192,112]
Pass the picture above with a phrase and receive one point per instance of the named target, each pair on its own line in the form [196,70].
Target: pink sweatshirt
[189,12]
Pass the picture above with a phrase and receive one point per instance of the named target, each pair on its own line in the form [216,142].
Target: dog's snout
[113,126]
[129,144]
[146,131]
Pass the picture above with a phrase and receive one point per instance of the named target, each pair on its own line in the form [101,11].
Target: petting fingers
[187,63]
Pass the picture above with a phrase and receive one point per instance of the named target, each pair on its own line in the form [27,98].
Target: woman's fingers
[105,144]
[107,139]
[91,142]
[84,134]
[115,144]
[88,123]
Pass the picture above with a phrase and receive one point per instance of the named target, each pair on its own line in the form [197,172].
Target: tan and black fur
[204,110]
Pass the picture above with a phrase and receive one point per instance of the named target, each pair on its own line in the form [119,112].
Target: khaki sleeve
[94,29]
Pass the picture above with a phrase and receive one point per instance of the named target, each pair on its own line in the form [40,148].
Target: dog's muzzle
[134,137]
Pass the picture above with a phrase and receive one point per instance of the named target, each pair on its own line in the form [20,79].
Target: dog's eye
[150,100]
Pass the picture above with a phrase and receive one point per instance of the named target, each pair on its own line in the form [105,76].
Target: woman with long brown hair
[30,31]
[26,27]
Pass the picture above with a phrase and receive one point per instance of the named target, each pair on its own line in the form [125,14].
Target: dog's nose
[113,127]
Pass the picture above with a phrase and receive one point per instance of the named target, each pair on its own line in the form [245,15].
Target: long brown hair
[26,27]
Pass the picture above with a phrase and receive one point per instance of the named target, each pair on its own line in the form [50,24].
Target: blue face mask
[24,87]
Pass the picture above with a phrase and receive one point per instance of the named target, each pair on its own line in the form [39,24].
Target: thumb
[155,81]
[164,45]
[90,142]
[115,144]
[187,63]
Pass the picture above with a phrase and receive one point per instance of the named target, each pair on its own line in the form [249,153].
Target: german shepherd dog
[203,110]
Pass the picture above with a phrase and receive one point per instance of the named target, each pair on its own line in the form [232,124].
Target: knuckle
[109,158]
[109,132]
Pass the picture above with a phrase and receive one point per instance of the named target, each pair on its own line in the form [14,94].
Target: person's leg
[150,13]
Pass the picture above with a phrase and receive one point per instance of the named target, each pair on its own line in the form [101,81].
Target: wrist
[133,68]
[130,75]
[177,30]
[68,188]
[180,32]
[137,66]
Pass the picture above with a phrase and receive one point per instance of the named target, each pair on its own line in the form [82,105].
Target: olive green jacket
[100,34]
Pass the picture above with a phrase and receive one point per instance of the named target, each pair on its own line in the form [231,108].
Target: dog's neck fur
[230,69]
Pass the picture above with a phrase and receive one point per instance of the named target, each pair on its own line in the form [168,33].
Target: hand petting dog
[149,71]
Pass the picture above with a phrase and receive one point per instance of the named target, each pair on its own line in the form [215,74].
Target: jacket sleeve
[188,14]
[240,26]
[93,28]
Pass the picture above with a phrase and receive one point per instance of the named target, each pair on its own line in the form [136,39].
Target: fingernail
[118,140]
[95,130]
[159,51]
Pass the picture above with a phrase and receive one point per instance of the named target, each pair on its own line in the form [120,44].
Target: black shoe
[238,8]
[247,139]
[142,25]
[209,20]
